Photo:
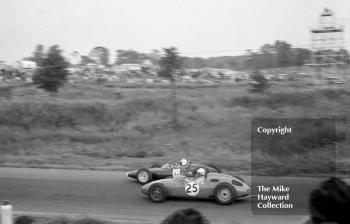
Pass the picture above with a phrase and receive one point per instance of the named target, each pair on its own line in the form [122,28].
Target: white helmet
[183,162]
[201,171]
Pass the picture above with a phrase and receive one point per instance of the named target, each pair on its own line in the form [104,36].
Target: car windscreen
[165,166]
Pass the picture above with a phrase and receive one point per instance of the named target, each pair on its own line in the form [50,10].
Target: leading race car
[222,187]
[146,175]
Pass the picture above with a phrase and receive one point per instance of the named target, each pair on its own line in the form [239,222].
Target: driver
[185,167]
[200,174]
[183,162]
[179,167]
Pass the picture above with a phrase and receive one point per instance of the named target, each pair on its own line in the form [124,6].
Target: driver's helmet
[183,162]
[200,172]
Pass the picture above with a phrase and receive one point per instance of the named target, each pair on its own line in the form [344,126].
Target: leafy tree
[86,60]
[259,83]
[301,56]
[130,57]
[170,63]
[284,53]
[267,57]
[53,72]
[170,66]
[195,62]
[100,55]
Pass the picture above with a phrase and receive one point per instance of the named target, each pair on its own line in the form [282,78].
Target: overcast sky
[197,27]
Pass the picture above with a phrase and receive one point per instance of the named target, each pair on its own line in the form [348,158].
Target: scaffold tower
[327,41]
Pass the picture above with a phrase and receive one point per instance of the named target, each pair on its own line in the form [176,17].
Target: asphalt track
[112,195]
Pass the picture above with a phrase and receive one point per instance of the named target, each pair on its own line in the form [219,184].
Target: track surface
[112,195]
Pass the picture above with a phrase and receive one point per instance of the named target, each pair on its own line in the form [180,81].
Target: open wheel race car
[222,187]
[146,175]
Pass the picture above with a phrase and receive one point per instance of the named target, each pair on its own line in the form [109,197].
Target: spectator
[186,216]
[330,202]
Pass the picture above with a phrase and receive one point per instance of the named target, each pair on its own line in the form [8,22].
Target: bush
[259,83]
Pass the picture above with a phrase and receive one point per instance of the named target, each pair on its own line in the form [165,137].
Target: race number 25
[192,189]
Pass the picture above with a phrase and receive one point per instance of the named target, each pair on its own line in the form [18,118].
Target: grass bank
[111,126]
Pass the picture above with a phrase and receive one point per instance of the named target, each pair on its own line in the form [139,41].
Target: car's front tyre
[225,194]
[157,193]
[144,176]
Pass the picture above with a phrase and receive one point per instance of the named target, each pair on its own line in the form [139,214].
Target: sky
[202,28]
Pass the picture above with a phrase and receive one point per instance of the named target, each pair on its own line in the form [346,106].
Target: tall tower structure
[327,41]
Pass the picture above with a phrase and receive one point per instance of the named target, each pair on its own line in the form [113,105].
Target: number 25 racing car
[222,187]
[146,175]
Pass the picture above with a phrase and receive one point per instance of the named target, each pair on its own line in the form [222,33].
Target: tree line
[52,66]
[277,54]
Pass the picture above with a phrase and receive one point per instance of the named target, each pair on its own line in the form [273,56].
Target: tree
[100,55]
[284,53]
[301,56]
[85,60]
[170,65]
[53,72]
[130,57]
[267,58]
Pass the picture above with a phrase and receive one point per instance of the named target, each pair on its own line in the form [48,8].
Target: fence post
[6,213]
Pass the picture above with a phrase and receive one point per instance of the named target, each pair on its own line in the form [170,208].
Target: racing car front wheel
[225,194]
[157,193]
[144,176]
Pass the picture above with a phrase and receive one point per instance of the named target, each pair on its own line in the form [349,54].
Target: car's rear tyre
[225,194]
[157,193]
[218,169]
[144,176]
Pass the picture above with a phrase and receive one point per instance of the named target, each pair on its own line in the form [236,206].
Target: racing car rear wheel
[144,176]
[225,194]
[157,193]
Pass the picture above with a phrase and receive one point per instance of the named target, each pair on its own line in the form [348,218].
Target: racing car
[146,175]
[222,187]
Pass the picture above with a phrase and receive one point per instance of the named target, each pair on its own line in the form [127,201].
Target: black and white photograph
[174,112]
